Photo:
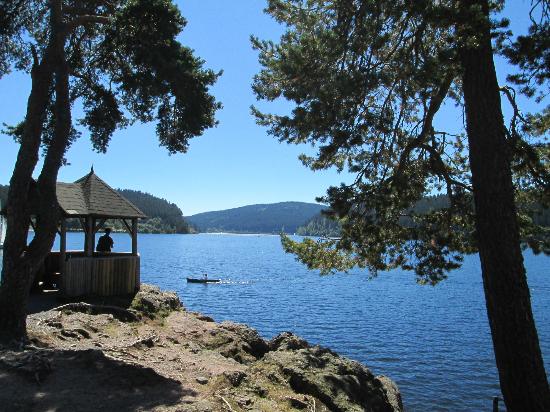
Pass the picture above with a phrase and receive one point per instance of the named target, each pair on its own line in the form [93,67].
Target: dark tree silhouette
[120,59]
[368,79]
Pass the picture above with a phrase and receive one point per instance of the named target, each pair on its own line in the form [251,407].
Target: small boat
[203,280]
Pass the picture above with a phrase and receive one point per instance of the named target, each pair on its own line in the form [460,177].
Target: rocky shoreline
[156,356]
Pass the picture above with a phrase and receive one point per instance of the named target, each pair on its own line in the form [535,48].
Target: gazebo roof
[91,196]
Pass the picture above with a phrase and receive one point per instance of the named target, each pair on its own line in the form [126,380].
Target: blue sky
[232,165]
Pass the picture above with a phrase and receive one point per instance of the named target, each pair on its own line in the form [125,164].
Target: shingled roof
[91,196]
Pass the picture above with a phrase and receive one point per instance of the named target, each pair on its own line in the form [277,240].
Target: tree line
[324,226]
[164,217]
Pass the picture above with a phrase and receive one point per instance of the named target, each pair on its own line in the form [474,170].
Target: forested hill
[320,225]
[163,216]
[267,218]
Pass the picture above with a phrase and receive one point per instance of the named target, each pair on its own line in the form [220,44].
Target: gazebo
[86,272]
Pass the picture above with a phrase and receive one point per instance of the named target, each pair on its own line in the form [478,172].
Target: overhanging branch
[427,129]
[442,168]
[87,19]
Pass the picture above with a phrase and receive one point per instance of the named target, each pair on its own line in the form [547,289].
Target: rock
[341,384]
[234,377]
[244,401]
[287,360]
[287,341]
[35,365]
[110,311]
[274,378]
[259,390]
[248,342]
[204,318]
[392,392]
[83,332]
[297,403]
[152,302]
[286,373]
[69,334]
[202,380]
[172,339]
[148,341]
[54,324]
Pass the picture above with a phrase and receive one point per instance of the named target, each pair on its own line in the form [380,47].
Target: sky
[232,165]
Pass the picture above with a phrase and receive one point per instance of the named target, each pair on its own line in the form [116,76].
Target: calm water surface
[433,341]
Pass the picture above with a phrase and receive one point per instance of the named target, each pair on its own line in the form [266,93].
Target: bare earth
[175,360]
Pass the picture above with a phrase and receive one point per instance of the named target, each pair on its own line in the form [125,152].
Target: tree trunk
[20,263]
[523,379]
[17,268]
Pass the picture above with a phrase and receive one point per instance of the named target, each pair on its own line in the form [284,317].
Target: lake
[434,342]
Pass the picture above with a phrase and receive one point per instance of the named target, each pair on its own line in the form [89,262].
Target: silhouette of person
[105,242]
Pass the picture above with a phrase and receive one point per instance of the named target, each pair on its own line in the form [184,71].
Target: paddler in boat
[205,276]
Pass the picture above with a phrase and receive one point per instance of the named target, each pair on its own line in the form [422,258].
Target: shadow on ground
[43,300]
[62,380]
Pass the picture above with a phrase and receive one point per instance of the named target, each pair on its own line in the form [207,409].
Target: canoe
[202,280]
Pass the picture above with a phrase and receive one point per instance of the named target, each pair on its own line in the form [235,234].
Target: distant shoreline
[195,233]
[239,234]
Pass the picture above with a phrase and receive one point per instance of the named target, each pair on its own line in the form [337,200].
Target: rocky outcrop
[185,362]
[289,362]
[152,302]
[341,384]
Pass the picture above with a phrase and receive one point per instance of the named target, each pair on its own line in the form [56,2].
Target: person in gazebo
[105,242]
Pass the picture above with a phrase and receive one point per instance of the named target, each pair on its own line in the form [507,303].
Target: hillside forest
[323,226]
[303,219]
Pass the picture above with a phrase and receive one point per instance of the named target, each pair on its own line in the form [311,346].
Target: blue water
[433,341]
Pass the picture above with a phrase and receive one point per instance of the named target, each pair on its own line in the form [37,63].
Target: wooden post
[62,246]
[90,236]
[134,237]
[495,404]
[83,224]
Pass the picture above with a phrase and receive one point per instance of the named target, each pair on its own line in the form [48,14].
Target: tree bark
[17,267]
[522,376]
[20,263]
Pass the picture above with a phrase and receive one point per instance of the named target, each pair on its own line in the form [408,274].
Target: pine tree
[368,79]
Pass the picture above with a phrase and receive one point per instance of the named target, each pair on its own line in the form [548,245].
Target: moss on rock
[154,303]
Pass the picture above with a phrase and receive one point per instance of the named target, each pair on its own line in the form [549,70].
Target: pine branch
[87,19]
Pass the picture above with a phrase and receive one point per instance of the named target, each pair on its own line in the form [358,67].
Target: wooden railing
[102,274]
